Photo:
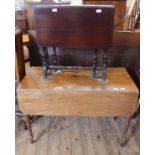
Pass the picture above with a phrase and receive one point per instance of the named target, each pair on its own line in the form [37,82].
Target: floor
[77,136]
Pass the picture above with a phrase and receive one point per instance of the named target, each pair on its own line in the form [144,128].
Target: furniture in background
[22,24]
[19,56]
[19,74]
[25,38]
[21,20]
[132,17]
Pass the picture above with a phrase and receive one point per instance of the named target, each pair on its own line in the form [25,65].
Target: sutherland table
[72,92]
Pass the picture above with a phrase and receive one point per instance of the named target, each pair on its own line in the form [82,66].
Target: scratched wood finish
[73,93]
[77,136]
[70,26]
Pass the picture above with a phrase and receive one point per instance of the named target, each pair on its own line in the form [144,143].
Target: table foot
[123,140]
[46,77]
[28,124]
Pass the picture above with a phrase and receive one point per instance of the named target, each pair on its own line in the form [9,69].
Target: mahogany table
[75,93]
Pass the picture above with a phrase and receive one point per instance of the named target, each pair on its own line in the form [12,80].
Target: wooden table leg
[123,140]
[94,63]
[45,63]
[55,58]
[28,124]
[137,111]
[105,57]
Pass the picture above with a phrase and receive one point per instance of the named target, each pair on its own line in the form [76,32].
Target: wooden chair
[93,91]
[19,74]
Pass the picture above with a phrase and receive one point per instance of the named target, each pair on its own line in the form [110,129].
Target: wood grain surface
[74,26]
[77,136]
[74,93]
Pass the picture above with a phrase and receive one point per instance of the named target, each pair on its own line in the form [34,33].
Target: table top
[74,27]
[79,80]
[74,93]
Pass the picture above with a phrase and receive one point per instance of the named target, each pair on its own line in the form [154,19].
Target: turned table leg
[54,58]
[123,140]
[94,63]
[45,63]
[28,124]
[105,57]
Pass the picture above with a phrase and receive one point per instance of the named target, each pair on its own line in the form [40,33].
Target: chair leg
[123,140]
[28,124]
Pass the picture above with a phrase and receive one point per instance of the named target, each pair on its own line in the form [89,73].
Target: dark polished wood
[120,7]
[55,58]
[20,74]
[74,26]
[30,10]
[105,57]
[19,56]
[125,52]
[44,62]
[94,63]
[126,39]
